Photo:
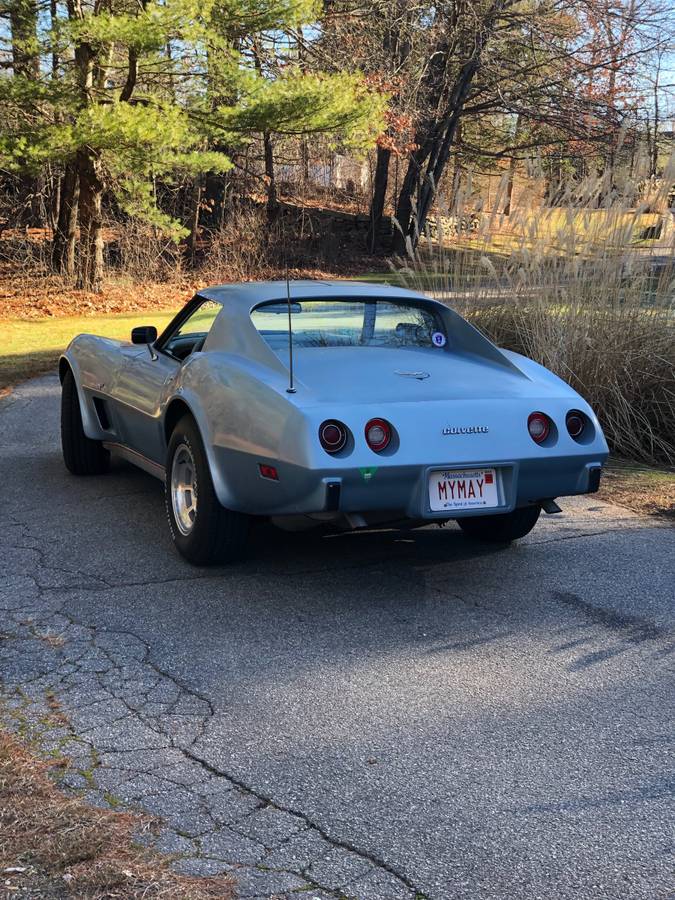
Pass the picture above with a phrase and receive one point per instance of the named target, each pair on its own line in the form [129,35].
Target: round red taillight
[378,434]
[333,435]
[575,423]
[539,426]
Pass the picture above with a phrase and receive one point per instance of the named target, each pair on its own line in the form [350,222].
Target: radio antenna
[291,387]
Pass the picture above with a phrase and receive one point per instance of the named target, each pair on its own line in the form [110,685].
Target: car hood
[367,374]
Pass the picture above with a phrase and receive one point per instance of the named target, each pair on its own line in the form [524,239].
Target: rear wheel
[81,454]
[501,528]
[204,532]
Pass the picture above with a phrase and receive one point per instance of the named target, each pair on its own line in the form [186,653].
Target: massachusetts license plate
[463,489]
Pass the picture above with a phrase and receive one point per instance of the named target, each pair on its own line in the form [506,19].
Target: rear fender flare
[189,404]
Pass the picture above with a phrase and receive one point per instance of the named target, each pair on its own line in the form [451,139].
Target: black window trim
[190,307]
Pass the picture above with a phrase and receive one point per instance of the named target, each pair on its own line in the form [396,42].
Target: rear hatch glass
[340,322]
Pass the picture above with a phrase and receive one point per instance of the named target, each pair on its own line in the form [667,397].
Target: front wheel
[501,528]
[204,532]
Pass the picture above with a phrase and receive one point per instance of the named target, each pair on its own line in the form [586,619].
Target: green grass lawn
[33,346]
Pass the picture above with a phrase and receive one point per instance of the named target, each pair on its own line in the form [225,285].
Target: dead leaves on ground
[55,845]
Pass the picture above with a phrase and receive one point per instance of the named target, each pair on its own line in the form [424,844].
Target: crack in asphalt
[101,661]
[135,728]
[336,842]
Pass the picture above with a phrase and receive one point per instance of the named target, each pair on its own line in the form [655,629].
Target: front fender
[90,423]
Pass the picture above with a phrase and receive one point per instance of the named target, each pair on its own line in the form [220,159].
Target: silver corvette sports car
[312,403]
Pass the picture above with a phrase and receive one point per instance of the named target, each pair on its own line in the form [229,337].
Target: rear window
[349,323]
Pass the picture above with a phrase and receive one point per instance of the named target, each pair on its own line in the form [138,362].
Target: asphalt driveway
[376,715]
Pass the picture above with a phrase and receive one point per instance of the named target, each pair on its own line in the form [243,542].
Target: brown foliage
[52,845]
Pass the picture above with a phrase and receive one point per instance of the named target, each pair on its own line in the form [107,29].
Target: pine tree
[126,91]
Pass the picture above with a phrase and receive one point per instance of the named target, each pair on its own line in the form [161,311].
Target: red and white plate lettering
[463,489]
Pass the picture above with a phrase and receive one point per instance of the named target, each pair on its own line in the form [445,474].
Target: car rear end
[418,416]
[443,460]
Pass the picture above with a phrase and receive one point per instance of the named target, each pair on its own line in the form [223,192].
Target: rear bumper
[520,483]
[399,488]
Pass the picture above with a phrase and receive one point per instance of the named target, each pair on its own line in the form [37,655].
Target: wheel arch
[175,411]
[180,406]
[91,426]
[64,366]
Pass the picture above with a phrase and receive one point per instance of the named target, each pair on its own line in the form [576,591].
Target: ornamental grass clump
[586,288]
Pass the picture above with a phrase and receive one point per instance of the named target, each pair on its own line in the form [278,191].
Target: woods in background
[173,112]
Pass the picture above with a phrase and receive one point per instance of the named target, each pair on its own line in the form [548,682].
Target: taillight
[539,426]
[378,434]
[333,435]
[575,422]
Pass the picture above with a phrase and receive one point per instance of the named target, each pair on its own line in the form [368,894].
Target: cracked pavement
[374,716]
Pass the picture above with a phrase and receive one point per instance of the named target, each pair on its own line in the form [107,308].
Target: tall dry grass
[587,290]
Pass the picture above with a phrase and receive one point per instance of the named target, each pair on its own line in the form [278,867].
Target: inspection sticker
[368,472]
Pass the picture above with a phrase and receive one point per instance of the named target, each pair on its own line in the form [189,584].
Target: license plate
[463,489]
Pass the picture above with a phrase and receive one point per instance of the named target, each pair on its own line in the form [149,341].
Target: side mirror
[144,334]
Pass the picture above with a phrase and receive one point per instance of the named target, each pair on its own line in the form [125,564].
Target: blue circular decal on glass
[438,339]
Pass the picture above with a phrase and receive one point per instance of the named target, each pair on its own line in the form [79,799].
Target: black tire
[81,454]
[501,528]
[216,535]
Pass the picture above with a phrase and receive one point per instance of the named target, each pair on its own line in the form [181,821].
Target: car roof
[253,292]
[234,332]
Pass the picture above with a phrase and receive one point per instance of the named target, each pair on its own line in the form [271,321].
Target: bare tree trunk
[23,21]
[195,208]
[441,151]
[440,136]
[54,199]
[380,183]
[304,161]
[654,149]
[53,10]
[457,171]
[634,147]
[272,198]
[650,149]
[90,274]
[38,206]
[512,172]
[405,202]
[88,172]
[509,187]
[268,148]
[65,233]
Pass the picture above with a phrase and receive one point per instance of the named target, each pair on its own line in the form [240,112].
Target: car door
[147,376]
